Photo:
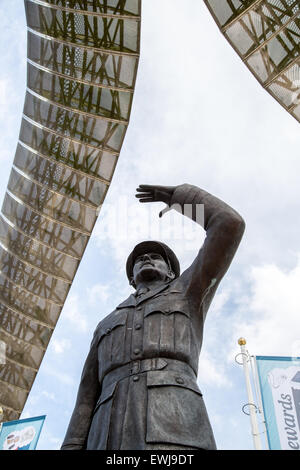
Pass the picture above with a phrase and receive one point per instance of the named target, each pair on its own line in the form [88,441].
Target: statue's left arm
[224,229]
[87,396]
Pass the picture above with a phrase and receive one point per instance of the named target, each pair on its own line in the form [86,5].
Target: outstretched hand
[154,193]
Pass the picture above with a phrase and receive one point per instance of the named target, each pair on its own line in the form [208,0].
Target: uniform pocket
[167,305]
[106,394]
[108,327]
[98,434]
[111,343]
[176,413]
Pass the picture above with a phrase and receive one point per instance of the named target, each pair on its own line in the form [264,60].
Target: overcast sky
[198,117]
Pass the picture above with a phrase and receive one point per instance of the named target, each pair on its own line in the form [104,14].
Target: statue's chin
[148,273]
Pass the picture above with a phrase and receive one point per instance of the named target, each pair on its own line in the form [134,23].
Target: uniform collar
[133,301]
[151,293]
[129,302]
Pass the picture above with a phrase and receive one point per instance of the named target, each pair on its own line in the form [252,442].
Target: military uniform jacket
[138,388]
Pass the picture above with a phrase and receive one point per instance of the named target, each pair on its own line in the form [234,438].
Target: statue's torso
[163,325]
[148,350]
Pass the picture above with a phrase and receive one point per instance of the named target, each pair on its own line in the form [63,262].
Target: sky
[199,117]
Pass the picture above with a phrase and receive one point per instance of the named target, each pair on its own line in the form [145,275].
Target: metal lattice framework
[82,64]
[266,35]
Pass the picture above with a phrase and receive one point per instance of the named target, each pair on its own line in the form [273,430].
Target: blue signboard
[22,434]
[279,380]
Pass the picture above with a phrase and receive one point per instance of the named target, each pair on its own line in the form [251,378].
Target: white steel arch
[82,64]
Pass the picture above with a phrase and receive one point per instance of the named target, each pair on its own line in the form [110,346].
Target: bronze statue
[138,389]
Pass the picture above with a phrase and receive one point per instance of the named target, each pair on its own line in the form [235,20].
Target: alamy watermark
[125,220]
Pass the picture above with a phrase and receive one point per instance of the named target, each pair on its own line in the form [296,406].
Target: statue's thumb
[166,209]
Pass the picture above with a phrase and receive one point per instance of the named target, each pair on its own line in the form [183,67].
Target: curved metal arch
[82,65]
[266,36]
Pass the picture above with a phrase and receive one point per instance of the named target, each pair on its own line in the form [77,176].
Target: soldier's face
[150,267]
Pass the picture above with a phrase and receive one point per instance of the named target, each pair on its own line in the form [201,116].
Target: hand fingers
[146,199]
[144,195]
[166,209]
[156,186]
[148,187]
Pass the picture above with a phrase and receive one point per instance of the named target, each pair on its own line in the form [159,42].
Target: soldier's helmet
[152,246]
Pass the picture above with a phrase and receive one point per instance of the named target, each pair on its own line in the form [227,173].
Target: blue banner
[22,434]
[279,380]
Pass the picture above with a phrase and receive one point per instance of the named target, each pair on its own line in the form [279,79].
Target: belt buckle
[135,367]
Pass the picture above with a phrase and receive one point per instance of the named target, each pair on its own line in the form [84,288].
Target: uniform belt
[144,365]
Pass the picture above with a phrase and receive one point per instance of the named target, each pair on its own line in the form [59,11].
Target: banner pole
[258,394]
[252,406]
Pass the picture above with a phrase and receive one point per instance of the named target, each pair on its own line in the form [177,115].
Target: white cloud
[220,300]
[98,293]
[65,379]
[48,442]
[26,415]
[4,99]
[212,372]
[48,395]
[60,345]
[33,399]
[268,315]
[72,313]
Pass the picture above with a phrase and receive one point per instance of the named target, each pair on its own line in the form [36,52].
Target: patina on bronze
[138,389]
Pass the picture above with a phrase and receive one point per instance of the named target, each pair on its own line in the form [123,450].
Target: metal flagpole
[252,406]
[258,394]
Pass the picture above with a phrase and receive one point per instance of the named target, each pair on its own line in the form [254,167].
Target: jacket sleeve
[87,396]
[224,230]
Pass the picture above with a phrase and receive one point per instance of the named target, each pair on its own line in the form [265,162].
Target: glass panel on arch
[21,352]
[97,67]
[25,303]
[9,414]
[59,178]
[50,143]
[115,7]
[258,25]
[105,102]
[14,374]
[20,326]
[47,259]
[47,231]
[53,205]
[103,33]
[12,396]
[31,279]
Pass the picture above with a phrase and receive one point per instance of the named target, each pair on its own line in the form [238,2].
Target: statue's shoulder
[115,318]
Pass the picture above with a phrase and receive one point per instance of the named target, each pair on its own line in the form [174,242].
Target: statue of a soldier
[138,389]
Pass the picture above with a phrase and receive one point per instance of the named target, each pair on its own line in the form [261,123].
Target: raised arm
[87,396]
[224,230]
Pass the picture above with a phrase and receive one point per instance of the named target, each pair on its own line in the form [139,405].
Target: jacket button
[108,331]
[179,380]
[138,326]
[136,378]
[136,351]
[139,308]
